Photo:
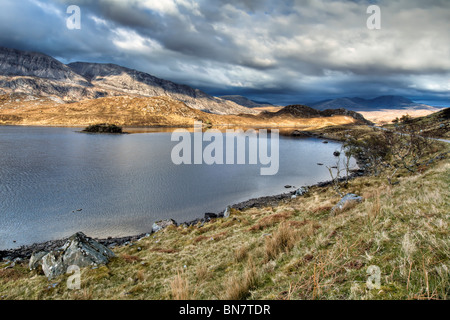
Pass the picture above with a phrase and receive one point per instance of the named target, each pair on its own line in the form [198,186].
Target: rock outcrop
[347,201]
[159,225]
[79,250]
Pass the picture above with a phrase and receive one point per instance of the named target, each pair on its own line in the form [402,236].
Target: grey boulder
[79,250]
[301,191]
[348,200]
[35,259]
[159,225]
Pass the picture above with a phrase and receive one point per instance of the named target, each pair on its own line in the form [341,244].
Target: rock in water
[79,250]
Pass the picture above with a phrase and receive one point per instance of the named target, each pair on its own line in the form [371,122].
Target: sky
[277,51]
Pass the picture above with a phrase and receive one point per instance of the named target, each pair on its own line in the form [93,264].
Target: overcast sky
[269,50]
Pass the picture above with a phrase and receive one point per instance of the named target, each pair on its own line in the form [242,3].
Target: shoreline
[24,252]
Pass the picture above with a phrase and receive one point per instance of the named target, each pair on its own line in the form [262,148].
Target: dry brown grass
[282,240]
[83,295]
[271,220]
[239,287]
[202,272]
[241,253]
[130,258]
[215,237]
[7,275]
[161,250]
[179,287]
[322,208]
[140,276]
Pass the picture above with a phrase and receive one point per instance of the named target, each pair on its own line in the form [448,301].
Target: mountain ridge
[42,75]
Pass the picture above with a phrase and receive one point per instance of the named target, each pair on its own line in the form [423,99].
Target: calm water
[124,183]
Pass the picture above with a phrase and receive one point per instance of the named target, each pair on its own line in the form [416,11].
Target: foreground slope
[296,249]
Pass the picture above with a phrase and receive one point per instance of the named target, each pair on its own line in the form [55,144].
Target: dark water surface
[123,183]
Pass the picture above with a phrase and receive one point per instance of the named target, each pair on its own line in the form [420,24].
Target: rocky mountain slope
[360,104]
[41,75]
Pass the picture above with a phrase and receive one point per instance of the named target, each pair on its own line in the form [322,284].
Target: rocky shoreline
[25,252]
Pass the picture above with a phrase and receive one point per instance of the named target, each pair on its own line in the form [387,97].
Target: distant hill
[38,74]
[245,102]
[360,104]
[301,111]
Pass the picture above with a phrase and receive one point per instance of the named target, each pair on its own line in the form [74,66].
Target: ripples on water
[124,183]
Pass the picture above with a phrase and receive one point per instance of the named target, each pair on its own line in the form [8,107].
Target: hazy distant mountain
[360,104]
[245,102]
[41,75]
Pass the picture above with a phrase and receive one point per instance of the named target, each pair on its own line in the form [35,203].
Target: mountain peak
[39,74]
[14,62]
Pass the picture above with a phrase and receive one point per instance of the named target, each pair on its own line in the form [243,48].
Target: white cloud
[130,40]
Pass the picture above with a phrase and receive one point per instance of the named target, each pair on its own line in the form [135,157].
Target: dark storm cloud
[283,51]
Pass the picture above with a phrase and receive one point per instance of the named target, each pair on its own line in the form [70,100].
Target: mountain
[245,102]
[120,80]
[38,74]
[32,64]
[360,104]
[25,109]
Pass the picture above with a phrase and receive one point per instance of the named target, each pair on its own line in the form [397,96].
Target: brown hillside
[140,111]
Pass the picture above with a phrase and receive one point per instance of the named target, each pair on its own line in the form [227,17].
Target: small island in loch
[104,128]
